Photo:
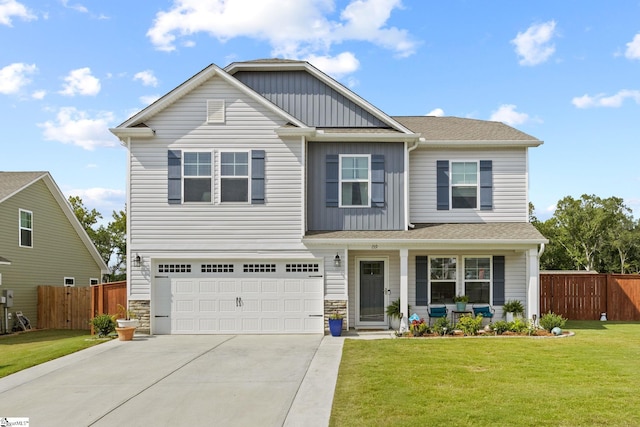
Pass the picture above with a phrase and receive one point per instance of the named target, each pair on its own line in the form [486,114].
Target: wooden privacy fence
[73,307]
[106,297]
[586,296]
[64,307]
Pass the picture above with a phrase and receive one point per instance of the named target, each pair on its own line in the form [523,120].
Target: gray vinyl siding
[158,227]
[308,99]
[510,202]
[321,217]
[515,272]
[57,251]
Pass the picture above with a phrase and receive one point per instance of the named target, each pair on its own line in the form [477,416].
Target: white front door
[372,293]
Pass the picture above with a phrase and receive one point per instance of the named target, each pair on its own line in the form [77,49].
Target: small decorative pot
[125,334]
[461,306]
[128,323]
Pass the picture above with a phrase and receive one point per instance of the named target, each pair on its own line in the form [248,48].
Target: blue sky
[566,72]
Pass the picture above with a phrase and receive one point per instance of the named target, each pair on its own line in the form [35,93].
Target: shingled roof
[516,232]
[458,129]
[11,182]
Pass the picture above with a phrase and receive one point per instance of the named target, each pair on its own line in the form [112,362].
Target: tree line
[109,240]
[590,233]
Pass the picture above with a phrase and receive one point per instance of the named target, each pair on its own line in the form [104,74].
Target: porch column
[533,286]
[404,289]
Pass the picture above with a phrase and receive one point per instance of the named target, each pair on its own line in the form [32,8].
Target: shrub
[442,326]
[501,326]
[103,324]
[513,306]
[470,325]
[418,328]
[550,320]
[518,326]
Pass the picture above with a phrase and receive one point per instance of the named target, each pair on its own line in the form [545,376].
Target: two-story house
[41,243]
[265,196]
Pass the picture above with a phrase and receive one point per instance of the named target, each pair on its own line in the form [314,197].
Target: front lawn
[585,380]
[27,349]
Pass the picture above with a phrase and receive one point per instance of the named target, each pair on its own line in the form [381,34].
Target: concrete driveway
[266,380]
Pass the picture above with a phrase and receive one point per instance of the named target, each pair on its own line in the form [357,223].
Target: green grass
[586,380]
[22,351]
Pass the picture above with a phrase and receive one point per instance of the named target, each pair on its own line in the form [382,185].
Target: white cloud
[104,200]
[507,114]
[14,76]
[77,7]
[11,8]
[39,94]
[633,48]
[294,29]
[81,82]
[149,99]
[436,112]
[336,66]
[600,100]
[72,126]
[534,45]
[147,78]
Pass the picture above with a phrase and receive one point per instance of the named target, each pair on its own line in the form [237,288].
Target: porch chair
[437,311]
[485,309]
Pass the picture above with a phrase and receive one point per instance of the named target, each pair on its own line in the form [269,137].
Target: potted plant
[335,324]
[394,314]
[461,302]
[512,308]
[126,318]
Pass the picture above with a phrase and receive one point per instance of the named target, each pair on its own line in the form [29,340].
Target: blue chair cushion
[485,311]
[438,312]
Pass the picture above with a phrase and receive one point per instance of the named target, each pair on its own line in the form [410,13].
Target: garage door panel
[251,305]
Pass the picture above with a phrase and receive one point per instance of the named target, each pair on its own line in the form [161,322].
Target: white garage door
[238,298]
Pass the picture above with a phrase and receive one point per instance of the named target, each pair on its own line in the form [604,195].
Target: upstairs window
[355,181]
[197,177]
[234,176]
[464,185]
[26,229]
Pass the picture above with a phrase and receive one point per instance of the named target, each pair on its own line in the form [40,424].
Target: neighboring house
[41,241]
[265,196]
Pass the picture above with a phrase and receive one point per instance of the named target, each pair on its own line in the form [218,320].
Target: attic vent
[215,111]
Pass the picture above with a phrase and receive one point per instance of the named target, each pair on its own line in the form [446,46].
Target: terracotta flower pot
[125,334]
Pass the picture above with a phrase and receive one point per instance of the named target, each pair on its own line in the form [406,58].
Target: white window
[464,185]
[26,229]
[442,279]
[69,281]
[93,281]
[234,176]
[197,177]
[355,181]
[477,279]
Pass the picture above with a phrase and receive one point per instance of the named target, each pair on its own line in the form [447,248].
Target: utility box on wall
[7,295]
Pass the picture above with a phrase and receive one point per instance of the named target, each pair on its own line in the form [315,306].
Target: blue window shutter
[332,178]
[377,181]
[442,184]
[486,185]
[174,175]
[498,280]
[422,285]
[257,177]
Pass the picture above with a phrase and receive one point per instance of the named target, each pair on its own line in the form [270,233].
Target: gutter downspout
[541,250]
[406,186]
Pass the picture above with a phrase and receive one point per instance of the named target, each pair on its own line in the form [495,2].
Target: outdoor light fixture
[137,261]
[337,261]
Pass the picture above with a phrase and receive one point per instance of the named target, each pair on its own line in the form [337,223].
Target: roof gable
[12,183]
[135,122]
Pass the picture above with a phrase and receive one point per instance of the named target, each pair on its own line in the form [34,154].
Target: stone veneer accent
[332,307]
[143,312]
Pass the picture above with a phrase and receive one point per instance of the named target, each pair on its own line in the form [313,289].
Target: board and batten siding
[57,251]
[158,225]
[510,202]
[389,217]
[308,99]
